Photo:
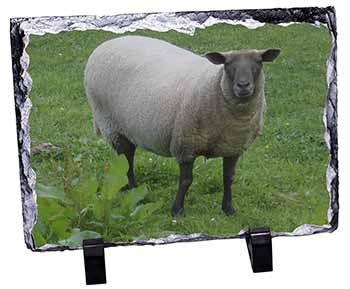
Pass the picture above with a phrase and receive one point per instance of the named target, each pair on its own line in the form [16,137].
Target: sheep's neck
[241,110]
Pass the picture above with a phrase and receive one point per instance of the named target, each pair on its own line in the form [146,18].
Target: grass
[280,181]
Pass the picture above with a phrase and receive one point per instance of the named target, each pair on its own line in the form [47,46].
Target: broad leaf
[70,213]
[38,239]
[49,209]
[40,233]
[77,238]
[99,208]
[89,189]
[95,225]
[133,197]
[118,218]
[49,192]
[143,211]
[61,228]
[84,193]
[115,177]
[141,237]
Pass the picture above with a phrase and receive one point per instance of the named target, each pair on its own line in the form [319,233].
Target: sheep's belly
[152,137]
[156,148]
[221,150]
[225,146]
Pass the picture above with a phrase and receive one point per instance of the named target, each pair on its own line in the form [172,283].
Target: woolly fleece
[169,100]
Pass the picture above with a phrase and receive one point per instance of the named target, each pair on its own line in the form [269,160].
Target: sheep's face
[243,69]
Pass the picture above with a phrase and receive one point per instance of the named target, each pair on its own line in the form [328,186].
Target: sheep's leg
[126,147]
[131,175]
[184,184]
[229,164]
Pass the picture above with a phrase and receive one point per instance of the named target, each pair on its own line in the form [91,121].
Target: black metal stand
[94,260]
[259,243]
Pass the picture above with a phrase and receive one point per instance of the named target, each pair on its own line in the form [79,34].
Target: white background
[318,261]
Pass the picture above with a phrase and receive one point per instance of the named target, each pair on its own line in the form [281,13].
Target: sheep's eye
[231,72]
[256,68]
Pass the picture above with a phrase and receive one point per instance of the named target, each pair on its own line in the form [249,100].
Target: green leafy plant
[92,208]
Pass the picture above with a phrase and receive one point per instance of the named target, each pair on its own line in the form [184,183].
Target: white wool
[169,100]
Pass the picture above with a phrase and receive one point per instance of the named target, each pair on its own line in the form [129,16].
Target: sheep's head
[243,68]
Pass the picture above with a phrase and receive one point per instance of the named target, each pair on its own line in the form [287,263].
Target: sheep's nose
[243,84]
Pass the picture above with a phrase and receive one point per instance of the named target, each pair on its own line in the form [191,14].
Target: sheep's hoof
[125,188]
[128,187]
[177,211]
[228,210]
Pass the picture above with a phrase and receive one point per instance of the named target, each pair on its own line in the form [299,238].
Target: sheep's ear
[270,54]
[216,57]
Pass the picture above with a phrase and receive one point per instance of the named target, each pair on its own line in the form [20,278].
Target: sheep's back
[136,86]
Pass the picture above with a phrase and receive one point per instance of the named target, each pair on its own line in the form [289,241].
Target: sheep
[170,101]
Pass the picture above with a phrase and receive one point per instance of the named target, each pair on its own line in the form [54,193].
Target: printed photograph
[143,135]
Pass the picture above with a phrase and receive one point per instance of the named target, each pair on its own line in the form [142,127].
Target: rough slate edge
[22,84]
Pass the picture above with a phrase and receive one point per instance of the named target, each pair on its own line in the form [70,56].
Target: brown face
[243,72]
[243,68]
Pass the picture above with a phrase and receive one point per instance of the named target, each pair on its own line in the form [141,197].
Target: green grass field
[280,181]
